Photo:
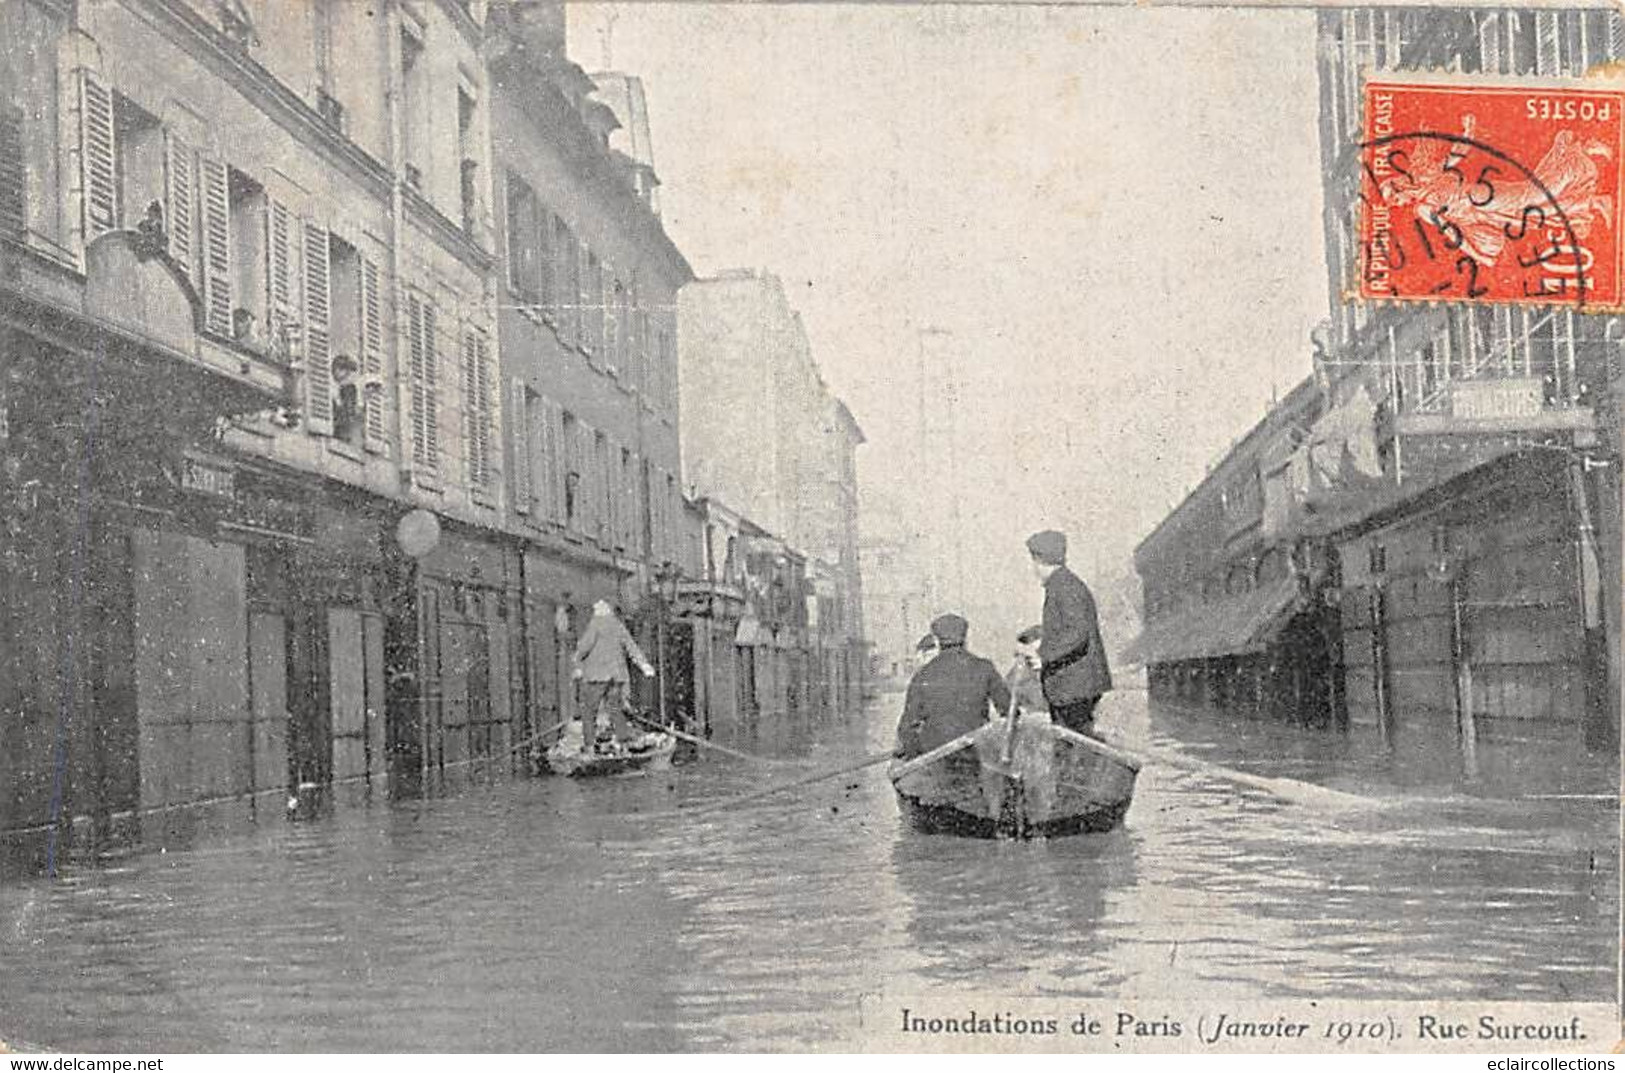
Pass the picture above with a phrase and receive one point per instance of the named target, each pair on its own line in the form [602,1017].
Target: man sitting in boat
[1073,660]
[950,695]
[1022,678]
[601,657]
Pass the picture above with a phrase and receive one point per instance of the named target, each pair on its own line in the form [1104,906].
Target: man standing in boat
[1072,659]
[926,650]
[950,695]
[601,657]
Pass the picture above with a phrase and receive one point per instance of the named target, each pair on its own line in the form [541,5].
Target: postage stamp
[1491,194]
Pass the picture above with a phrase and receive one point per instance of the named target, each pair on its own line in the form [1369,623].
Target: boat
[652,752]
[1022,777]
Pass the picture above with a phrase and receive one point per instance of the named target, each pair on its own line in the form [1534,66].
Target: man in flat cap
[950,695]
[1071,656]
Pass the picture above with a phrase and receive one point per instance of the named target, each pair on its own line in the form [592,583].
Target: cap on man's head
[1048,547]
[950,629]
[926,643]
[1030,635]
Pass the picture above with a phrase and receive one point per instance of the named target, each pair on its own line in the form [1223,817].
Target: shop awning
[1236,626]
[750,633]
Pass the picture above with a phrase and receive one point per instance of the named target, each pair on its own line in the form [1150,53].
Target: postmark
[1491,194]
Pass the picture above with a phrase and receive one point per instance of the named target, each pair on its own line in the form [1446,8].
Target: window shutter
[519,479]
[552,462]
[98,156]
[318,356]
[423,359]
[477,409]
[180,198]
[13,175]
[216,234]
[375,430]
[279,269]
[1616,35]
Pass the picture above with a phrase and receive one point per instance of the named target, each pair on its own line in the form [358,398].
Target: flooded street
[550,914]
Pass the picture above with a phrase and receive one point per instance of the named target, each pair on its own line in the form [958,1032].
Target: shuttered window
[180,203]
[375,420]
[553,462]
[477,416]
[281,287]
[318,329]
[216,235]
[422,359]
[519,450]
[13,175]
[98,156]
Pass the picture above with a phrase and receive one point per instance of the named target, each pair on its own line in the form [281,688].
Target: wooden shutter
[375,426]
[476,409]
[424,361]
[318,329]
[552,462]
[13,174]
[180,201]
[216,235]
[279,268]
[98,156]
[519,480]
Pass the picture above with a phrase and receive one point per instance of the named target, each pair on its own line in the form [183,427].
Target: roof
[1244,623]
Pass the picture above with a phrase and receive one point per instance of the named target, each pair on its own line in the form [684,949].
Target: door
[347,693]
[268,693]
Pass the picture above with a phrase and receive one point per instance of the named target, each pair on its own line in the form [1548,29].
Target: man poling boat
[1018,775]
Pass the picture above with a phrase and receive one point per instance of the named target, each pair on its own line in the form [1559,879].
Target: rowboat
[1021,778]
[652,753]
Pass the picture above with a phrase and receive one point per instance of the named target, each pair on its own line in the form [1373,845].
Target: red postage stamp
[1483,193]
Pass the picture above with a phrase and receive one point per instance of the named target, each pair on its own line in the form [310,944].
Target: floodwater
[550,914]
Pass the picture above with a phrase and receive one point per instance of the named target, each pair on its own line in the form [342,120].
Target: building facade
[337,378]
[587,326]
[1444,489]
[763,434]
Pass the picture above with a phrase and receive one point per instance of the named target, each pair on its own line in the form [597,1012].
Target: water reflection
[556,914]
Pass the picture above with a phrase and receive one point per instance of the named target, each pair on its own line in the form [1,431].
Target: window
[570,429]
[324,18]
[139,144]
[568,259]
[623,485]
[468,171]
[592,300]
[478,420]
[524,228]
[249,323]
[606,493]
[344,281]
[615,327]
[414,101]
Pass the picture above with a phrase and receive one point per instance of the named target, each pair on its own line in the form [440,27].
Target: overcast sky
[1114,212]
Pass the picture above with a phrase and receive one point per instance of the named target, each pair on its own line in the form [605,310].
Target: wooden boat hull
[566,757]
[1057,783]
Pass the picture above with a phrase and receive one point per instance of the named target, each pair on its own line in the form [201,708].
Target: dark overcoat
[948,697]
[1074,659]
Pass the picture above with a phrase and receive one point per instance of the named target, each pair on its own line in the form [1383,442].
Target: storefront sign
[1479,400]
[208,477]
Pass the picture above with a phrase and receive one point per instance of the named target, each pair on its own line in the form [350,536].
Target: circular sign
[418,532]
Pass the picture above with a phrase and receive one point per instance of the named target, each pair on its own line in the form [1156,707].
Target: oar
[704,744]
[820,776]
[1293,790]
